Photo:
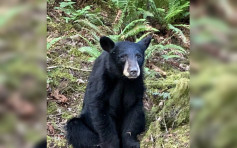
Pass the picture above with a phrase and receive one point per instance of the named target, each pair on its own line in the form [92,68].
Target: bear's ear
[145,42]
[106,43]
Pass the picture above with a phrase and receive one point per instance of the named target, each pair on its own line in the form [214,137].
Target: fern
[67,7]
[158,13]
[172,10]
[173,46]
[87,23]
[176,7]
[145,13]
[92,51]
[53,41]
[87,41]
[178,32]
[143,36]
[166,57]
[158,48]
[132,24]
[137,29]
[117,27]
[120,3]
[93,33]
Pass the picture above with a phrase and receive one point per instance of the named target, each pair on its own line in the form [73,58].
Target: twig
[176,116]
[176,65]
[163,113]
[159,70]
[117,17]
[162,145]
[68,67]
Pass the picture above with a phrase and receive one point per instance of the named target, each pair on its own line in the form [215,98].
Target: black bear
[112,114]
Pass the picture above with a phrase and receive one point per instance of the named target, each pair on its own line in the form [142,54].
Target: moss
[152,114]
[57,142]
[67,115]
[57,75]
[156,138]
[177,138]
[177,107]
[152,138]
[52,108]
[174,92]
[63,27]
[155,85]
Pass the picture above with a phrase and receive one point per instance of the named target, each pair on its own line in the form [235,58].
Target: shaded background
[22,73]
[213,73]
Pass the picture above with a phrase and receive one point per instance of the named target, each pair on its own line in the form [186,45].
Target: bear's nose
[133,72]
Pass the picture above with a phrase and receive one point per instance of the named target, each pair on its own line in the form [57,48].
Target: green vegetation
[74,30]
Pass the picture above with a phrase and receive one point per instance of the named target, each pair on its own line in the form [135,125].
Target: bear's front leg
[99,114]
[133,125]
[104,126]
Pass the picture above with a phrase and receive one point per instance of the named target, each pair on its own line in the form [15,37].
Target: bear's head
[127,56]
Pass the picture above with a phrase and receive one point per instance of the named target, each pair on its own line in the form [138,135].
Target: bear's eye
[138,56]
[122,57]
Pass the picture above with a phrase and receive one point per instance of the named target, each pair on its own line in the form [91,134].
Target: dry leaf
[59,97]
[50,128]
[62,99]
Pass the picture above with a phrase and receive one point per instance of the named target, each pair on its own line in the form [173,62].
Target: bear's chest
[122,97]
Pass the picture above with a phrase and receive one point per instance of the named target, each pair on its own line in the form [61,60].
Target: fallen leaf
[59,97]
[62,99]
[79,81]
[50,128]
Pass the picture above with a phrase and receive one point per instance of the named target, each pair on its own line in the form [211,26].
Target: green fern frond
[87,23]
[87,41]
[166,57]
[145,13]
[159,13]
[132,24]
[92,51]
[118,26]
[158,48]
[137,29]
[173,46]
[120,3]
[53,41]
[178,32]
[175,8]
[143,36]
[115,38]
[93,18]
[152,49]
[93,33]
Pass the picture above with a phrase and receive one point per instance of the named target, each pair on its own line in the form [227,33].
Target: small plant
[74,15]
[133,29]
[91,50]
[176,9]
[52,42]
[178,32]
[170,48]
[170,13]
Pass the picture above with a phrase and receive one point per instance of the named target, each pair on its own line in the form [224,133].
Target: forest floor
[166,99]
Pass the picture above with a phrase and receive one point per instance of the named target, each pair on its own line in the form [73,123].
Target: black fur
[112,114]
